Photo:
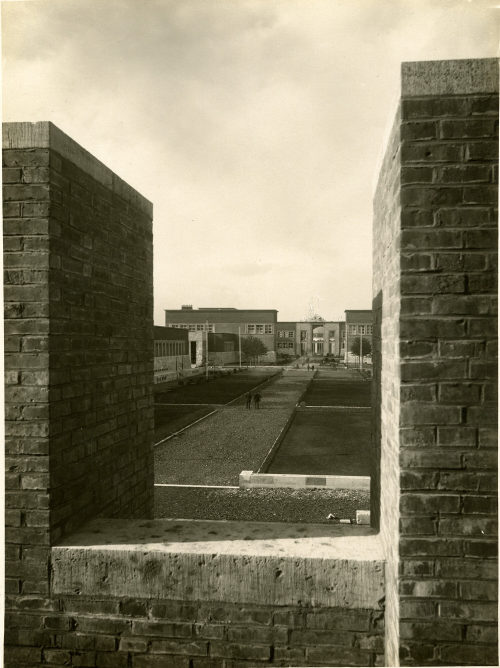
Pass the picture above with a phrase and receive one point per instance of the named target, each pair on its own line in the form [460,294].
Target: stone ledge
[449,77]
[44,134]
[240,562]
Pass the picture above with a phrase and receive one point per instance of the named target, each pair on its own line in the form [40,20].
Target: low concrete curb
[250,479]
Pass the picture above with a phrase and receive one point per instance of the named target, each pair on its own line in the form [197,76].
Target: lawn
[327,442]
[177,407]
[216,391]
[326,392]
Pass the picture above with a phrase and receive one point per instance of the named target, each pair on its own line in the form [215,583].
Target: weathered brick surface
[79,368]
[446,469]
[78,631]
[79,375]
[386,400]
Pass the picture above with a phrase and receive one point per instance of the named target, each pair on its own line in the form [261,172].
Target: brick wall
[79,378]
[101,350]
[386,380]
[26,343]
[78,354]
[76,631]
[447,586]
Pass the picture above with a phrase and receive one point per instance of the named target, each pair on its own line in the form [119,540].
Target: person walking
[249,400]
[256,400]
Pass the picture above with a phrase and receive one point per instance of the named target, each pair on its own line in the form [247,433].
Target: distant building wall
[310,338]
[435,301]
[171,354]
[260,323]
[359,323]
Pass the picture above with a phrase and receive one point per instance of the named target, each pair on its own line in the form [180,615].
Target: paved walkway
[215,450]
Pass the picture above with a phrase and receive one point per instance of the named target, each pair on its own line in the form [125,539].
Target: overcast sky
[255,127]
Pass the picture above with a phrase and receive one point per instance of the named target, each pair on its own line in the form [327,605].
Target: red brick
[429,503]
[461,436]
[466,568]
[480,633]
[464,304]
[249,652]
[433,630]
[481,239]
[417,526]
[479,591]
[464,174]
[432,284]
[430,459]
[431,152]
[337,656]
[459,393]
[468,612]
[417,436]
[417,609]
[481,151]
[481,548]
[479,127]
[435,369]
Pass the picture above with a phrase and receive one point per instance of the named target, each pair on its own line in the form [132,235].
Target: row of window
[286,344]
[259,329]
[192,327]
[360,329]
[170,348]
[283,334]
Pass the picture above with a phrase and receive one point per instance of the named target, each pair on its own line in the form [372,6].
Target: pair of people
[256,400]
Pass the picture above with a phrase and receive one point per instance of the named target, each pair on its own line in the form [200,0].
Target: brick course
[447,285]
[80,631]
[79,378]
[78,361]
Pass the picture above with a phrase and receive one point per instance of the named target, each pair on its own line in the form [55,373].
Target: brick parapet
[100,350]
[26,336]
[447,582]
[62,464]
[386,390]
[448,353]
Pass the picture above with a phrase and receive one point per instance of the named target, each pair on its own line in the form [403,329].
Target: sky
[256,127]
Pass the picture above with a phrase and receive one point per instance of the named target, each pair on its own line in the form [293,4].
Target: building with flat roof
[223,348]
[358,323]
[314,337]
[171,354]
[260,323]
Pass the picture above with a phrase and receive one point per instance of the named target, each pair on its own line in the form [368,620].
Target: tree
[356,346]
[252,348]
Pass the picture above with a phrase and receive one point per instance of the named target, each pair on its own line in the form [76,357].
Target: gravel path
[266,505]
[217,449]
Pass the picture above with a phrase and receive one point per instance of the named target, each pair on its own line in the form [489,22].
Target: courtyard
[312,422]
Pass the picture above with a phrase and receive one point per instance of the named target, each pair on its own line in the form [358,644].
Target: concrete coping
[241,562]
[449,77]
[299,481]
[44,134]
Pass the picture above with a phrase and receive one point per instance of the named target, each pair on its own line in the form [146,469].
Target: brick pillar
[435,293]
[78,351]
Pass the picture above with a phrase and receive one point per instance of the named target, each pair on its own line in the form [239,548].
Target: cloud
[254,126]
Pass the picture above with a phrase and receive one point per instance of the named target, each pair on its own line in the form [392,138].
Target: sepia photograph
[250,333]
